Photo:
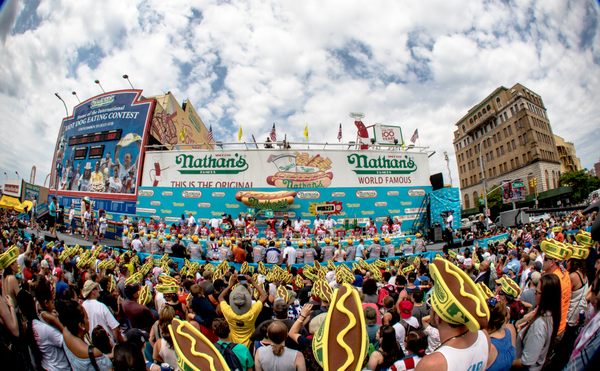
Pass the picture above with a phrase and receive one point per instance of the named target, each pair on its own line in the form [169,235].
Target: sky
[415,64]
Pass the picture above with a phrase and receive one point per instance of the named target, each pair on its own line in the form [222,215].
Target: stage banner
[99,148]
[292,170]
[484,242]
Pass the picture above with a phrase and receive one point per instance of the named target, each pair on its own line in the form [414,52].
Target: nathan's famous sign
[291,170]
[210,164]
[363,164]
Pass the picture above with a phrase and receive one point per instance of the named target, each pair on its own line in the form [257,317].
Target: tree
[581,182]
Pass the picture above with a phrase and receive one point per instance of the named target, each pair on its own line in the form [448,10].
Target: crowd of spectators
[98,308]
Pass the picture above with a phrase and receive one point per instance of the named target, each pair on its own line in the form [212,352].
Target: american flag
[210,134]
[415,136]
[340,134]
[273,134]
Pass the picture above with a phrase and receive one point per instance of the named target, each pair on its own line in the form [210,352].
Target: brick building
[511,129]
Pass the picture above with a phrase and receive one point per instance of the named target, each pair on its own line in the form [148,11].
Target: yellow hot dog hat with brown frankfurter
[555,249]
[456,298]
[341,342]
[194,351]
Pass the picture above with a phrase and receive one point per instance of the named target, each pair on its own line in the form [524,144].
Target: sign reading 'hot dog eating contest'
[294,170]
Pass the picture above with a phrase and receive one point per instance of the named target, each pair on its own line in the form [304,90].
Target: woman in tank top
[503,337]
[277,356]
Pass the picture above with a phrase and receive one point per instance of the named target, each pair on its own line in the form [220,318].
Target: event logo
[300,170]
[101,102]
[382,164]
[280,200]
[209,164]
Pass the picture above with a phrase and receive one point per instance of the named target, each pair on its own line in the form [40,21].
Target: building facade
[567,155]
[506,136]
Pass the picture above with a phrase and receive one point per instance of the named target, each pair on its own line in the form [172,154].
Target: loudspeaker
[437,181]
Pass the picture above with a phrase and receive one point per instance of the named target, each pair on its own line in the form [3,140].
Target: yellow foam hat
[456,298]
[485,290]
[8,257]
[145,295]
[509,286]
[555,249]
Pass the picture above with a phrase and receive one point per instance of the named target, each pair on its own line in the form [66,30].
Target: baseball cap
[406,307]
[88,287]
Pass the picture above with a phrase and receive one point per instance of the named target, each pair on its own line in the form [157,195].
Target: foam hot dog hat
[341,342]
[485,290]
[456,298]
[194,351]
[8,257]
[509,286]
[555,249]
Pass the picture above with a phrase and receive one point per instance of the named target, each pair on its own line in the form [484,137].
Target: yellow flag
[240,134]
[306,131]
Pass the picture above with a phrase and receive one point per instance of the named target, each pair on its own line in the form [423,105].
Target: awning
[556,192]
[8,202]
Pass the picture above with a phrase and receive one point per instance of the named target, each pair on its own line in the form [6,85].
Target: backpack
[231,358]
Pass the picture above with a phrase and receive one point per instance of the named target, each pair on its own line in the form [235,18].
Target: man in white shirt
[137,244]
[98,313]
[330,223]
[215,223]
[289,253]
[191,220]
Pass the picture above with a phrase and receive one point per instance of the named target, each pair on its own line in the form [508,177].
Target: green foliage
[581,182]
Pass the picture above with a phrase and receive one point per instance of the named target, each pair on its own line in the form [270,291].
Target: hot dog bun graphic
[194,351]
[341,342]
[287,179]
[256,198]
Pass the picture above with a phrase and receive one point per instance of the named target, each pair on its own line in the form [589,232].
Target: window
[547,179]
[524,158]
[498,101]
[509,130]
[517,162]
[512,163]
[514,146]
[475,198]
[553,179]
[488,107]
[467,203]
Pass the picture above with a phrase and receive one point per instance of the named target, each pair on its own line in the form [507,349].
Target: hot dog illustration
[256,198]
[287,179]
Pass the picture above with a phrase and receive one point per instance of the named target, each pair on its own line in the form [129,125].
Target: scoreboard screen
[96,137]
[96,151]
[80,153]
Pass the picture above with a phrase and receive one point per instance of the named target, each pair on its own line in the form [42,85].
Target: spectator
[539,328]
[221,329]
[276,356]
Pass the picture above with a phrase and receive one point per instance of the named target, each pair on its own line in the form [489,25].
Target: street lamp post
[126,77]
[483,177]
[100,85]
[63,102]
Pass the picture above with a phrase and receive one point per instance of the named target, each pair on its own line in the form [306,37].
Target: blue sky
[251,63]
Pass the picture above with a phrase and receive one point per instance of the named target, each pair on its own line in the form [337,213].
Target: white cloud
[418,64]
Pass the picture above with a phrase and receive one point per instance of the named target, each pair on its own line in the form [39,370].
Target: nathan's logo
[381,165]
[208,164]
[101,102]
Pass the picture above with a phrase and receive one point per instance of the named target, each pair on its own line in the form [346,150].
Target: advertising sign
[513,191]
[12,187]
[173,124]
[292,170]
[387,134]
[303,183]
[99,148]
